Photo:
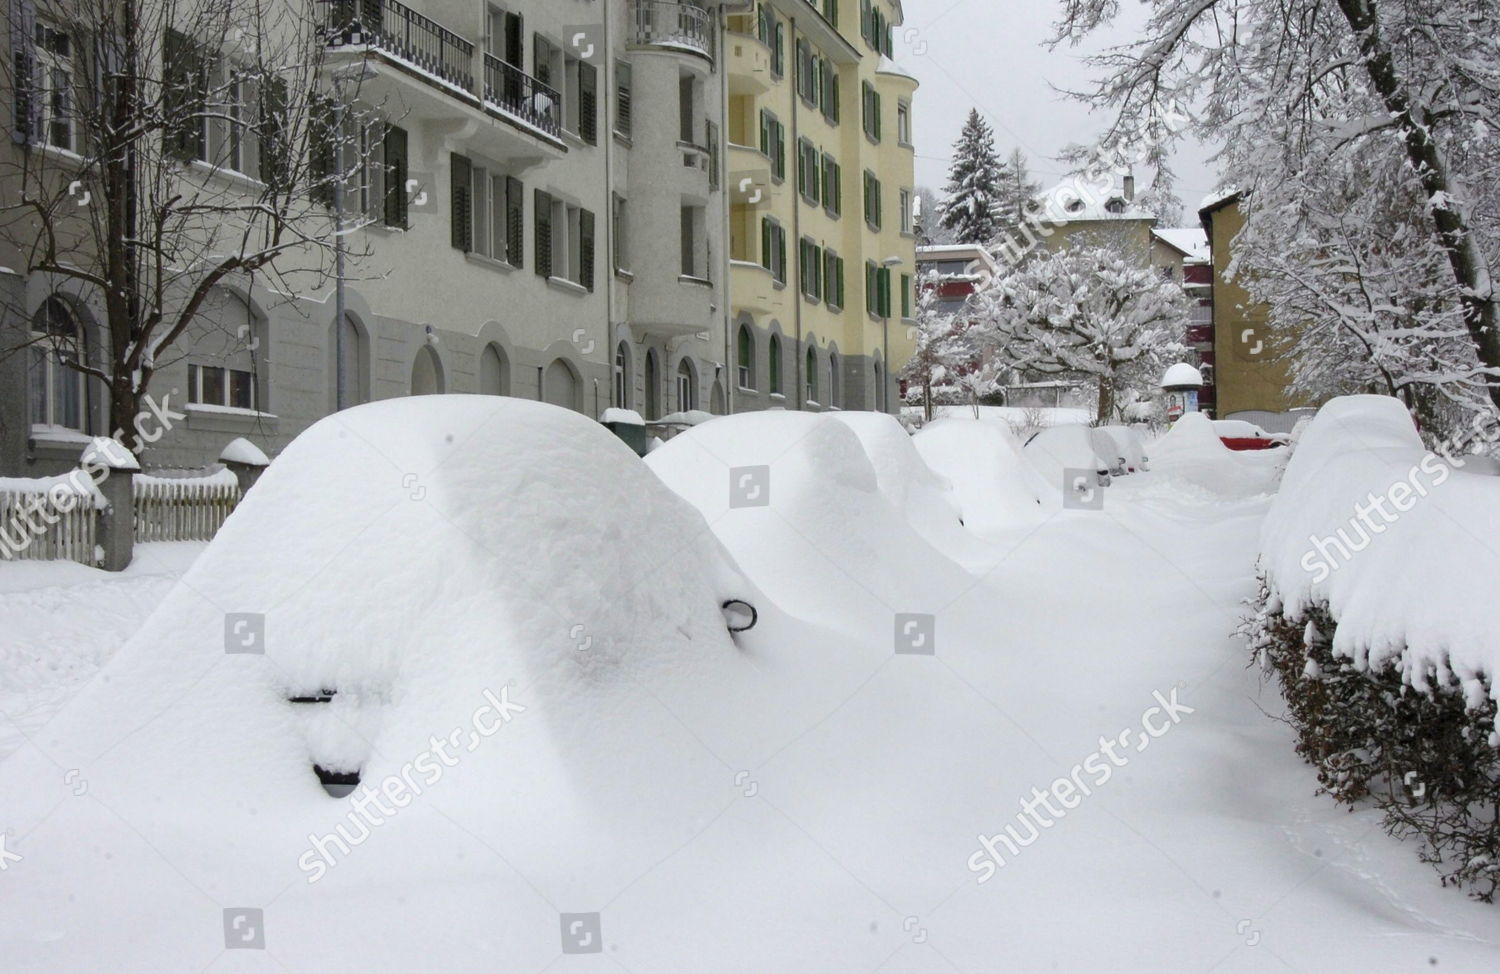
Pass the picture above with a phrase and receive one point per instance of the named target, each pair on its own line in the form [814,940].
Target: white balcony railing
[669,23]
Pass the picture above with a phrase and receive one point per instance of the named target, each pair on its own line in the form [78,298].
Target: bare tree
[164,149]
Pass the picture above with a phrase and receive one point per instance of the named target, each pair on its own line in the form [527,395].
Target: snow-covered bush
[1383,634]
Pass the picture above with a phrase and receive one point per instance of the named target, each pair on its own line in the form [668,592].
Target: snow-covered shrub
[1383,633]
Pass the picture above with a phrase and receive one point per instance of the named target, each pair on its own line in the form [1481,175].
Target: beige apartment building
[820,164]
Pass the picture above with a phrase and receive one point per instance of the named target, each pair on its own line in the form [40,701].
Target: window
[879,388]
[809,73]
[622,376]
[877,290]
[906,220]
[774,365]
[745,358]
[874,28]
[831,11]
[619,215]
[229,377]
[689,94]
[833,280]
[687,387]
[809,175]
[488,211]
[906,295]
[773,143]
[810,268]
[57,389]
[564,240]
[903,123]
[653,385]
[778,50]
[833,187]
[811,391]
[872,200]
[624,93]
[871,112]
[583,100]
[829,96]
[713,154]
[207,104]
[695,244]
[494,374]
[835,379]
[547,63]
[51,102]
[773,249]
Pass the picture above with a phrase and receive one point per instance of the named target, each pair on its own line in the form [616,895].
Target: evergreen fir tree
[1017,189]
[971,209]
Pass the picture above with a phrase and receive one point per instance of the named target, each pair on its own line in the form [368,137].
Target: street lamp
[357,73]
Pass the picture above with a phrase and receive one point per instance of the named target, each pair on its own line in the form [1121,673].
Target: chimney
[1130,188]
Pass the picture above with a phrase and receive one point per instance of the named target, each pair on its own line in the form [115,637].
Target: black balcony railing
[512,90]
[400,31]
[672,23]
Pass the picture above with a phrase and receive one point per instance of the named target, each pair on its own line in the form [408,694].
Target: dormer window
[1075,206]
[1115,205]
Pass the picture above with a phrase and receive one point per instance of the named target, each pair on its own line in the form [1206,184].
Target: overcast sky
[988,54]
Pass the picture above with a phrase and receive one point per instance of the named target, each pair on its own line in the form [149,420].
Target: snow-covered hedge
[1377,615]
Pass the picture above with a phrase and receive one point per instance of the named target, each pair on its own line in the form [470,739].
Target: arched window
[687,387]
[622,376]
[774,367]
[58,391]
[225,362]
[716,399]
[560,385]
[356,364]
[494,373]
[835,379]
[746,358]
[812,374]
[426,373]
[653,386]
[879,389]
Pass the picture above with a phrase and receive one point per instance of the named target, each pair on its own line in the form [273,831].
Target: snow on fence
[185,508]
[64,535]
[35,526]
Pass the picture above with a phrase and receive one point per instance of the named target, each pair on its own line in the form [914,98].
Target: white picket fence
[166,509]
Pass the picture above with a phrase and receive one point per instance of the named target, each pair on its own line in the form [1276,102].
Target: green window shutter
[25,69]
[841,281]
[906,295]
[781,254]
[765,243]
[588,103]
[543,218]
[185,94]
[395,176]
[885,292]
[817,271]
[765,134]
[586,243]
[515,222]
[877,115]
[461,197]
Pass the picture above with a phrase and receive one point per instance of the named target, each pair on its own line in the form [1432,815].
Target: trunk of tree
[1106,398]
[1457,238]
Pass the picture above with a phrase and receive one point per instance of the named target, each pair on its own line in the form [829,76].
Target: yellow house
[821,183]
[1250,370]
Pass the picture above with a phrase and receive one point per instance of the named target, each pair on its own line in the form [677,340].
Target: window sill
[749,389]
[567,286]
[231,176]
[695,281]
[208,407]
[65,156]
[229,419]
[488,262]
[624,139]
[872,227]
[627,276]
[777,397]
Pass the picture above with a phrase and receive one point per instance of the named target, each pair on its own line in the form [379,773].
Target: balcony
[516,93]
[400,32]
[669,23]
[749,64]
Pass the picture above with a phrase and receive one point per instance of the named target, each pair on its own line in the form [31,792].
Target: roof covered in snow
[1075,200]
[889,67]
[1192,242]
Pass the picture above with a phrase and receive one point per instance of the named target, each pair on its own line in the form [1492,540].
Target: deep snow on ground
[804,798]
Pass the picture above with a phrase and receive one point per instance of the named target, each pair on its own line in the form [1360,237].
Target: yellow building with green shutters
[820,186]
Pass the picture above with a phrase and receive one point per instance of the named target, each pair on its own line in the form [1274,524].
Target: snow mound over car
[926,499]
[1398,542]
[1192,455]
[797,501]
[497,583]
[995,485]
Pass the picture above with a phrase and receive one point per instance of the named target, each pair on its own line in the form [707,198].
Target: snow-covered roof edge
[889,67]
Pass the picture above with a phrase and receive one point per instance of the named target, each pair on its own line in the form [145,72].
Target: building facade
[821,184]
[1250,369]
[560,232]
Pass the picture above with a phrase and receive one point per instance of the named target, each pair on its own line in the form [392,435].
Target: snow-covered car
[1074,447]
[1129,446]
[1239,434]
